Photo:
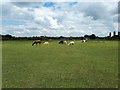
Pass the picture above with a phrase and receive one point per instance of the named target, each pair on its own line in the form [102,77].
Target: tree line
[87,37]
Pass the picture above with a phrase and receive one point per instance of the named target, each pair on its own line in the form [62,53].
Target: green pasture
[93,64]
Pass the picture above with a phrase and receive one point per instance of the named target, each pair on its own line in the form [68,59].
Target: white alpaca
[65,42]
[46,42]
[71,43]
[83,41]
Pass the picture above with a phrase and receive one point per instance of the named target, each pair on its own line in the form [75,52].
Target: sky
[59,18]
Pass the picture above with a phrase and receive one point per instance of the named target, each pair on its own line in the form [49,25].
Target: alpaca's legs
[33,43]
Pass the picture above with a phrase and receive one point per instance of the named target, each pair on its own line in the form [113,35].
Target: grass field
[90,65]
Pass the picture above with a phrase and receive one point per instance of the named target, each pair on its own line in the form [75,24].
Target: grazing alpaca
[71,43]
[36,42]
[46,42]
[61,42]
[50,40]
[83,41]
[65,42]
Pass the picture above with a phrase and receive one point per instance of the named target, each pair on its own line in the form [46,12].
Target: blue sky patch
[73,3]
[36,7]
[49,4]
[12,22]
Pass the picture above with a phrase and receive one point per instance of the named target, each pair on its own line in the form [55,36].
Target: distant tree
[93,36]
[110,34]
[85,36]
[119,34]
[0,37]
[114,33]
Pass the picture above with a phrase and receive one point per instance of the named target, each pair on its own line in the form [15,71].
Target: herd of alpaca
[61,42]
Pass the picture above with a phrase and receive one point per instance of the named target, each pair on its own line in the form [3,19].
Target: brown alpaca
[36,42]
[50,40]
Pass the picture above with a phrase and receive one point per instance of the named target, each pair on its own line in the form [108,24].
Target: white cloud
[62,19]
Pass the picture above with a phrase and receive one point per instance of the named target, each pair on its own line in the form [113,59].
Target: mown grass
[90,65]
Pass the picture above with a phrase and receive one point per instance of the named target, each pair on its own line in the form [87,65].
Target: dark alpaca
[36,42]
[61,42]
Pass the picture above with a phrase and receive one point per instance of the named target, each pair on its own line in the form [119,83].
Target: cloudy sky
[59,18]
